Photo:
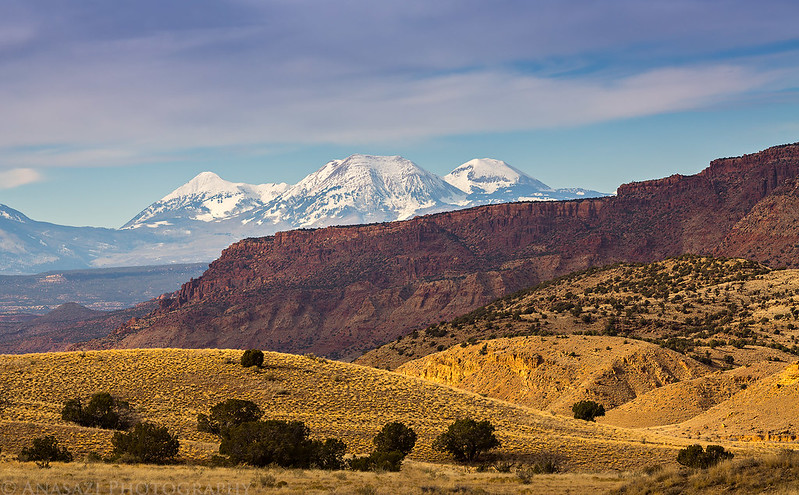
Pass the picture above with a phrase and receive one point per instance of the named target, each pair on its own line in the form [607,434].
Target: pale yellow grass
[415,478]
[351,402]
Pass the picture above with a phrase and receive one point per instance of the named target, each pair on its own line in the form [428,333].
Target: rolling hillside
[552,373]
[352,402]
[714,310]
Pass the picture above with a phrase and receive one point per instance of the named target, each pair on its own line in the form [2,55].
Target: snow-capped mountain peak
[487,176]
[206,198]
[363,189]
[205,183]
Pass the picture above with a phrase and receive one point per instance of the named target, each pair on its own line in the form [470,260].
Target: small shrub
[587,410]
[145,443]
[695,457]
[547,463]
[252,357]
[525,474]
[45,450]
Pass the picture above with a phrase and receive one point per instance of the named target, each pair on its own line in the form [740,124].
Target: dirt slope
[764,410]
[684,400]
[552,373]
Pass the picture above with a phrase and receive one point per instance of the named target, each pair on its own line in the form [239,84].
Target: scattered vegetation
[778,473]
[349,402]
[699,306]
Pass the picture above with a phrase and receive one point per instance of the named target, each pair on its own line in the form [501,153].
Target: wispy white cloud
[16,177]
[96,86]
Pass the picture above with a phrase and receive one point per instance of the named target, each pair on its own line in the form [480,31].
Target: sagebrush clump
[252,357]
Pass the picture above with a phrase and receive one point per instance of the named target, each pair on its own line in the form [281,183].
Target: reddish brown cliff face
[342,290]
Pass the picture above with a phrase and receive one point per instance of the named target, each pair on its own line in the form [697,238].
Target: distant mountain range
[199,219]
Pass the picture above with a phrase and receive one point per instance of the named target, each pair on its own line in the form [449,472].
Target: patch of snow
[487,176]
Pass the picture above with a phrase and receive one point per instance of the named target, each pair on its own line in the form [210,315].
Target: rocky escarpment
[341,290]
[770,230]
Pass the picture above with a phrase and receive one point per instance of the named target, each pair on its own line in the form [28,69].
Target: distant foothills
[198,220]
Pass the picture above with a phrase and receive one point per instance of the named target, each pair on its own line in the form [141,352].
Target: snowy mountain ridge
[197,220]
[357,189]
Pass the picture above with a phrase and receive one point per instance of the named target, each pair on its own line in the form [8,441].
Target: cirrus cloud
[16,177]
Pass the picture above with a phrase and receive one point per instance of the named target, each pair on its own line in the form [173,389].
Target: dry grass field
[348,401]
[776,474]
[415,478]
[640,384]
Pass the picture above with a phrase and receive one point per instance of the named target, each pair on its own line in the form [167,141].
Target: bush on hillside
[694,456]
[587,410]
[395,437]
[103,411]
[146,443]
[466,439]
[392,444]
[228,414]
[283,443]
[252,357]
[45,450]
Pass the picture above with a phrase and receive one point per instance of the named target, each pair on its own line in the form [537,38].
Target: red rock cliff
[342,290]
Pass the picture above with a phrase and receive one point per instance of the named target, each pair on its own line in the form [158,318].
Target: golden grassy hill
[681,401]
[703,307]
[765,410]
[777,474]
[552,373]
[171,387]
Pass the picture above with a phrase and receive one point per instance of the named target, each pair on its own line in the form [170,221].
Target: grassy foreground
[171,386]
[415,478]
[776,474]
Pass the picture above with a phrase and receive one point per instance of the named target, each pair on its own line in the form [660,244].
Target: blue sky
[108,106]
